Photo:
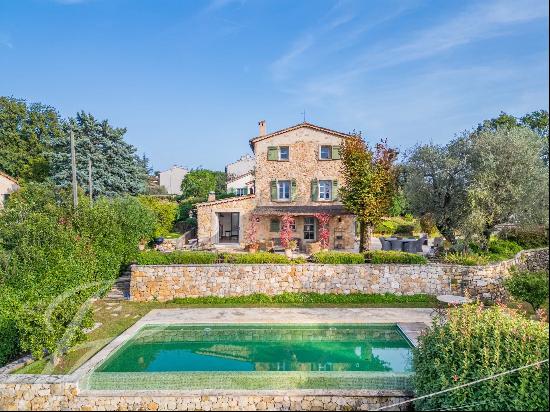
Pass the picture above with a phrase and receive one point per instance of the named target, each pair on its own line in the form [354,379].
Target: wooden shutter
[272,153]
[334,193]
[314,190]
[273,190]
[274,225]
[293,189]
[335,152]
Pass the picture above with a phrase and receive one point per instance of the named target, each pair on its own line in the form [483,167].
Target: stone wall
[163,283]
[28,392]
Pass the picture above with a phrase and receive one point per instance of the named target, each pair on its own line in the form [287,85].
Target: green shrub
[255,258]
[301,299]
[165,212]
[53,256]
[530,287]
[154,257]
[393,256]
[404,230]
[465,259]
[333,257]
[386,227]
[527,237]
[476,343]
[497,251]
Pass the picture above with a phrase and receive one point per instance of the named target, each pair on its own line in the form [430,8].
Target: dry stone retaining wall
[24,392]
[163,283]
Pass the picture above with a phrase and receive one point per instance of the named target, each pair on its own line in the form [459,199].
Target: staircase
[121,288]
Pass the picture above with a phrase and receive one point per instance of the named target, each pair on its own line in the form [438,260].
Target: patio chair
[410,246]
[420,242]
[386,245]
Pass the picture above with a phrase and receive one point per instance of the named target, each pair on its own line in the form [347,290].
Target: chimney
[211,196]
[261,123]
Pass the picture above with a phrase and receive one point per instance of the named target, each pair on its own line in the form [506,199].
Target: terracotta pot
[252,249]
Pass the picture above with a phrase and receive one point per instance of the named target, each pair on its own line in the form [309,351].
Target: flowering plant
[287,222]
[324,234]
[251,231]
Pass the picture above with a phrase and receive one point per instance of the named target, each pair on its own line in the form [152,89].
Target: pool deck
[411,321]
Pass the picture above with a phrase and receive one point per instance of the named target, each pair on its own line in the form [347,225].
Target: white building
[244,165]
[8,185]
[171,179]
[241,185]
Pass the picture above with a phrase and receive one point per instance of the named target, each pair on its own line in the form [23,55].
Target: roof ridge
[297,126]
[227,199]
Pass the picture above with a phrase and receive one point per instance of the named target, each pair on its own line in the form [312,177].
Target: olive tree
[436,182]
[509,180]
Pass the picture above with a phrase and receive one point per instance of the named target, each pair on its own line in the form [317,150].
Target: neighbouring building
[171,179]
[8,185]
[297,173]
[244,165]
[240,176]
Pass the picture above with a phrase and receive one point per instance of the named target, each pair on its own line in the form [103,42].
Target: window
[242,191]
[309,228]
[326,152]
[274,225]
[325,189]
[283,189]
[283,153]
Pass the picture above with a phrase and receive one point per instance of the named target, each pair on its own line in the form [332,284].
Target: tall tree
[116,168]
[509,180]
[370,183]
[199,182]
[25,134]
[436,183]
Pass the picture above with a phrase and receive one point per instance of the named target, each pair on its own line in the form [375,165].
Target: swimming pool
[259,356]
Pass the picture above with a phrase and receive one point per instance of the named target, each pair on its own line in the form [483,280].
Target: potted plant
[291,245]
[252,247]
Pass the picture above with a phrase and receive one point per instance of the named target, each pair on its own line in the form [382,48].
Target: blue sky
[191,79]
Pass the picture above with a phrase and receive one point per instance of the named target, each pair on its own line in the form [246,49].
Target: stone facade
[304,167]
[27,392]
[164,283]
[208,217]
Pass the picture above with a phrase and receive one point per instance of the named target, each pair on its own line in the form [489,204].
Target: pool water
[259,356]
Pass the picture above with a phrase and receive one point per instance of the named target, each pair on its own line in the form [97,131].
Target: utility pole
[73,167]
[90,180]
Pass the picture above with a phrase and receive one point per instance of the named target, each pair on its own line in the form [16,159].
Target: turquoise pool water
[259,357]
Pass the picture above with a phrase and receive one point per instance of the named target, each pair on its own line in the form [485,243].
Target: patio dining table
[399,244]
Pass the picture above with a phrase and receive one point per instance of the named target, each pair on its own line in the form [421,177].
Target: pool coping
[418,319]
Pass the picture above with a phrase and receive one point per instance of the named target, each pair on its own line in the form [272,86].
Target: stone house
[8,185]
[297,173]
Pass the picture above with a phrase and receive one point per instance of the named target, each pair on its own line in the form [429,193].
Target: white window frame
[281,185]
[329,152]
[325,191]
[314,229]
[242,191]
[287,153]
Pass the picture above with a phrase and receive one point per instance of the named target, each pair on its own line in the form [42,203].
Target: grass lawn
[116,317]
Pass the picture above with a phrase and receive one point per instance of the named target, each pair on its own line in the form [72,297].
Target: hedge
[53,256]
[497,251]
[530,287]
[474,343]
[527,237]
[255,258]
[338,258]
[392,256]
[154,257]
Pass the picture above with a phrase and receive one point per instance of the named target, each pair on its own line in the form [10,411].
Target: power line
[464,385]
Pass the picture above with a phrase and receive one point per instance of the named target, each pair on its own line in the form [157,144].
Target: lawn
[116,317]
